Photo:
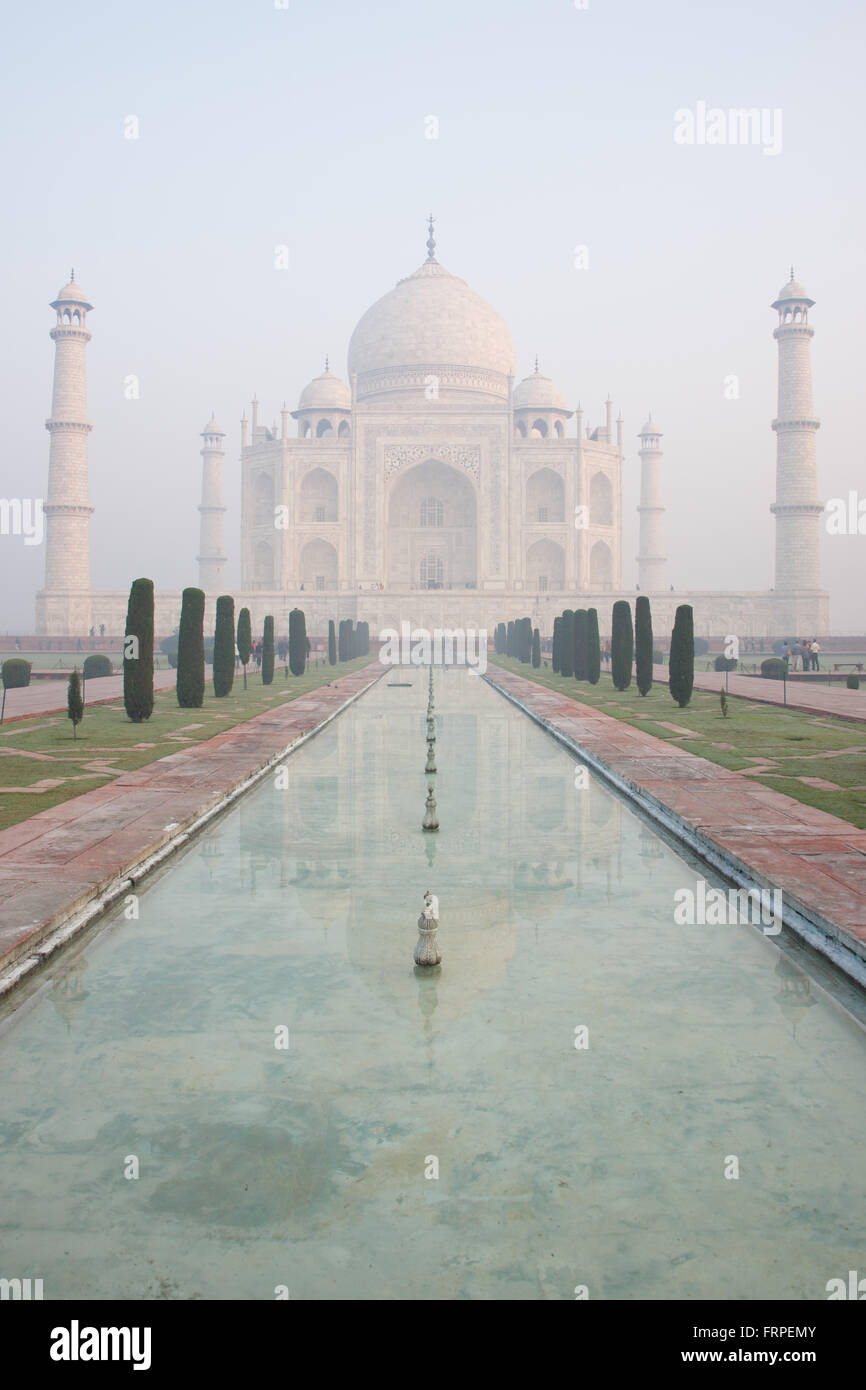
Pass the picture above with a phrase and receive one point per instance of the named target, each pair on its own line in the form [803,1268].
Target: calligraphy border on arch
[397,456]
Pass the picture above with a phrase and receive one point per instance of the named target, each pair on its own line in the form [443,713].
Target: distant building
[435,488]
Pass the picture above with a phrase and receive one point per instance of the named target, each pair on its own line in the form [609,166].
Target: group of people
[806,649]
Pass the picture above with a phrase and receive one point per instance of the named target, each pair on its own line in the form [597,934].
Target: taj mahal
[433,486]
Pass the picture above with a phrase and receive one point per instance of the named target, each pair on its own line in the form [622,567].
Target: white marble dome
[71,294]
[431,319]
[537,392]
[326,392]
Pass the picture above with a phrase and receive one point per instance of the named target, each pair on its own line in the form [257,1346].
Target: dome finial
[792,272]
[431,244]
[536,364]
[72,274]
[327,368]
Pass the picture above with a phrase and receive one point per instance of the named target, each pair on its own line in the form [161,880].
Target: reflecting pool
[156,1046]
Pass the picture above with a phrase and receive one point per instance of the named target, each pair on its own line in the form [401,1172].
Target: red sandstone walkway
[57,862]
[44,697]
[816,699]
[818,860]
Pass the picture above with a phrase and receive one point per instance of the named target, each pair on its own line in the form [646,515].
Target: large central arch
[432,518]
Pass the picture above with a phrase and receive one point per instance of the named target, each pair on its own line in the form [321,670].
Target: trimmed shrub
[138,654]
[332,643]
[557,640]
[509,640]
[725,663]
[74,702]
[297,642]
[524,640]
[363,639]
[621,645]
[702,646]
[774,668]
[536,648]
[581,629]
[245,640]
[190,650]
[268,651]
[15,673]
[593,647]
[344,639]
[499,639]
[224,646]
[566,643]
[682,662]
[96,665]
[852,682]
[643,644]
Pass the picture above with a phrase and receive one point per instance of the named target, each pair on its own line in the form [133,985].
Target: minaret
[796,508]
[64,605]
[651,557]
[211,559]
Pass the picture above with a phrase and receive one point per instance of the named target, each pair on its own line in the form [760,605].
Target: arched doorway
[432,529]
[545,567]
[319,566]
[318,497]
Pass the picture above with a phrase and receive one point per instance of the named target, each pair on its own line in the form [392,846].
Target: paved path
[818,860]
[56,863]
[45,697]
[815,699]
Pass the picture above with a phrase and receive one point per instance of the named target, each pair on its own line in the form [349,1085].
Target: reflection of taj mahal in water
[434,487]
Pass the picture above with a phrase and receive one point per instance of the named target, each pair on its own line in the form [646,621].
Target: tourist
[816,651]
[786,653]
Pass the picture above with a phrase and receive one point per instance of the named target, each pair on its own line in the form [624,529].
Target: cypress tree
[297,642]
[643,644]
[621,645]
[223,670]
[593,647]
[268,651]
[190,650]
[555,658]
[342,640]
[499,639]
[332,643]
[138,653]
[74,702]
[523,639]
[566,643]
[536,648]
[509,640]
[682,660]
[581,630]
[363,639]
[245,639]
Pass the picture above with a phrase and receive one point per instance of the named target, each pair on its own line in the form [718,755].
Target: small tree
[268,651]
[536,648]
[138,652]
[245,640]
[74,702]
[566,643]
[190,650]
[643,644]
[682,661]
[224,646]
[15,673]
[723,701]
[297,642]
[593,647]
[621,645]
[581,632]
[332,643]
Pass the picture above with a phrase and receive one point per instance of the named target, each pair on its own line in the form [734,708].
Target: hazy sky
[305,126]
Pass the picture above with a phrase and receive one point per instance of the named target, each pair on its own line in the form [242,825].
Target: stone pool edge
[822,934]
[35,948]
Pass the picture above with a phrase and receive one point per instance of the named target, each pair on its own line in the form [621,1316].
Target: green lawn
[109,744]
[792,744]
[64,661]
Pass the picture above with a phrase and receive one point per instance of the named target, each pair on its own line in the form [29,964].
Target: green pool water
[305,1168]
